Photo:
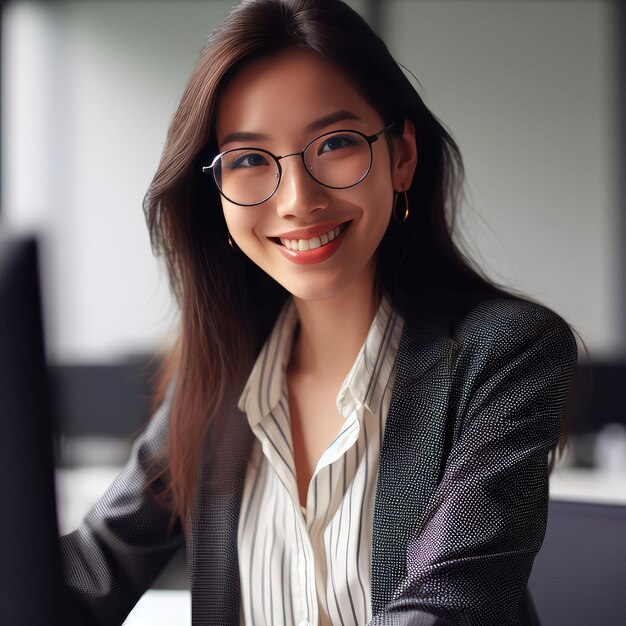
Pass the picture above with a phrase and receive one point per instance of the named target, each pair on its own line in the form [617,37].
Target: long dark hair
[228,305]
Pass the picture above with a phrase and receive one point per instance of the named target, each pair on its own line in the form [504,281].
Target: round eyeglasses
[338,159]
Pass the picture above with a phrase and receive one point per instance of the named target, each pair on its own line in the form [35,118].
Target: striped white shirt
[307,566]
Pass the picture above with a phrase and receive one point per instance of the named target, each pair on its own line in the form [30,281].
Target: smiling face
[314,240]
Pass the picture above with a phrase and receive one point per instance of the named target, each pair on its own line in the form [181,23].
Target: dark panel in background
[579,575]
[111,400]
[115,400]
[599,397]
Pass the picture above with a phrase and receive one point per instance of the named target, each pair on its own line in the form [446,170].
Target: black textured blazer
[461,497]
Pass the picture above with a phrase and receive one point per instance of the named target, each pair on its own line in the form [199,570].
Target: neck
[332,331]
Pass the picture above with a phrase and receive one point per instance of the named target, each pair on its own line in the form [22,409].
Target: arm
[125,540]
[470,560]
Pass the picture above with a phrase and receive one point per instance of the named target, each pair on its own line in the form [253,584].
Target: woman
[357,425]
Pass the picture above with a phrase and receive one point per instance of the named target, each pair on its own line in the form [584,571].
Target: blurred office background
[533,92]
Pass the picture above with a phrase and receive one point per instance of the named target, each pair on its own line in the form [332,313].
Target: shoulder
[505,325]
[513,364]
[514,348]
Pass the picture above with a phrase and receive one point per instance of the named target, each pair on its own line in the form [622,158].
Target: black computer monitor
[31,587]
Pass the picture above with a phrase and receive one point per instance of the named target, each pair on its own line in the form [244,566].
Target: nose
[298,194]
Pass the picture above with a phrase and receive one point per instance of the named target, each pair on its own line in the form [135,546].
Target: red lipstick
[317,255]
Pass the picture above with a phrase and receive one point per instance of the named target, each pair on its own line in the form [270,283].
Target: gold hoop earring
[406,208]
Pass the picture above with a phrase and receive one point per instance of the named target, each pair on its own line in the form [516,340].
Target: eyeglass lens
[250,176]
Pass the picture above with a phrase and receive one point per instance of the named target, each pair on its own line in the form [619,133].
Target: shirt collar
[364,385]
[366,382]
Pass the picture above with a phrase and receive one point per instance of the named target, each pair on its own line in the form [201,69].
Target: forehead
[281,95]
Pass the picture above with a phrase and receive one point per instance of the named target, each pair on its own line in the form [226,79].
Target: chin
[313,291]
[309,292]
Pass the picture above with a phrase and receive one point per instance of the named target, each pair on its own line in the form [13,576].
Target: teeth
[303,245]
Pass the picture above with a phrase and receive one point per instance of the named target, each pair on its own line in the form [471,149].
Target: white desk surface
[161,608]
[584,485]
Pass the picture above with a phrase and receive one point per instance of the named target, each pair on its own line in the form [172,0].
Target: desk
[161,608]
[585,485]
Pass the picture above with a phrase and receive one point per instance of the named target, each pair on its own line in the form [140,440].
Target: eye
[248,159]
[336,142]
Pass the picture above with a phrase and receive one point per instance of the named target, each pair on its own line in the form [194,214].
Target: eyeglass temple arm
[206,168]
[375,136]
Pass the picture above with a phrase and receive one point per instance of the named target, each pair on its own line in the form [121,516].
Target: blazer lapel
[411,465]
[212,549]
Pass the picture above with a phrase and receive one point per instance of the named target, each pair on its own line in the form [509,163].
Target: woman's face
[280,104]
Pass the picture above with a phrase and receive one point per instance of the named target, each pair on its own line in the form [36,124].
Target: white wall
[89,89]
[526,88]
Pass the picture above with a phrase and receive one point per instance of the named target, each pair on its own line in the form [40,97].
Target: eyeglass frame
[370,139]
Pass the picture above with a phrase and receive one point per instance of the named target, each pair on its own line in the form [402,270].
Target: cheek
[240,221]
[377,202]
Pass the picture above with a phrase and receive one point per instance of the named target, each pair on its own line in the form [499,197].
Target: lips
[314,242]
[305,253]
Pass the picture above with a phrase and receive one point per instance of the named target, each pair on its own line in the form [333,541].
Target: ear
[404,158]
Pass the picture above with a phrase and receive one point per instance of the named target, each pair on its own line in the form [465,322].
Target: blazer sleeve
[471,558]
[126,538]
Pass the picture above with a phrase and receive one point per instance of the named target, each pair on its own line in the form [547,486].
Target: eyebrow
[319,124]
[242,136]
[327,120]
